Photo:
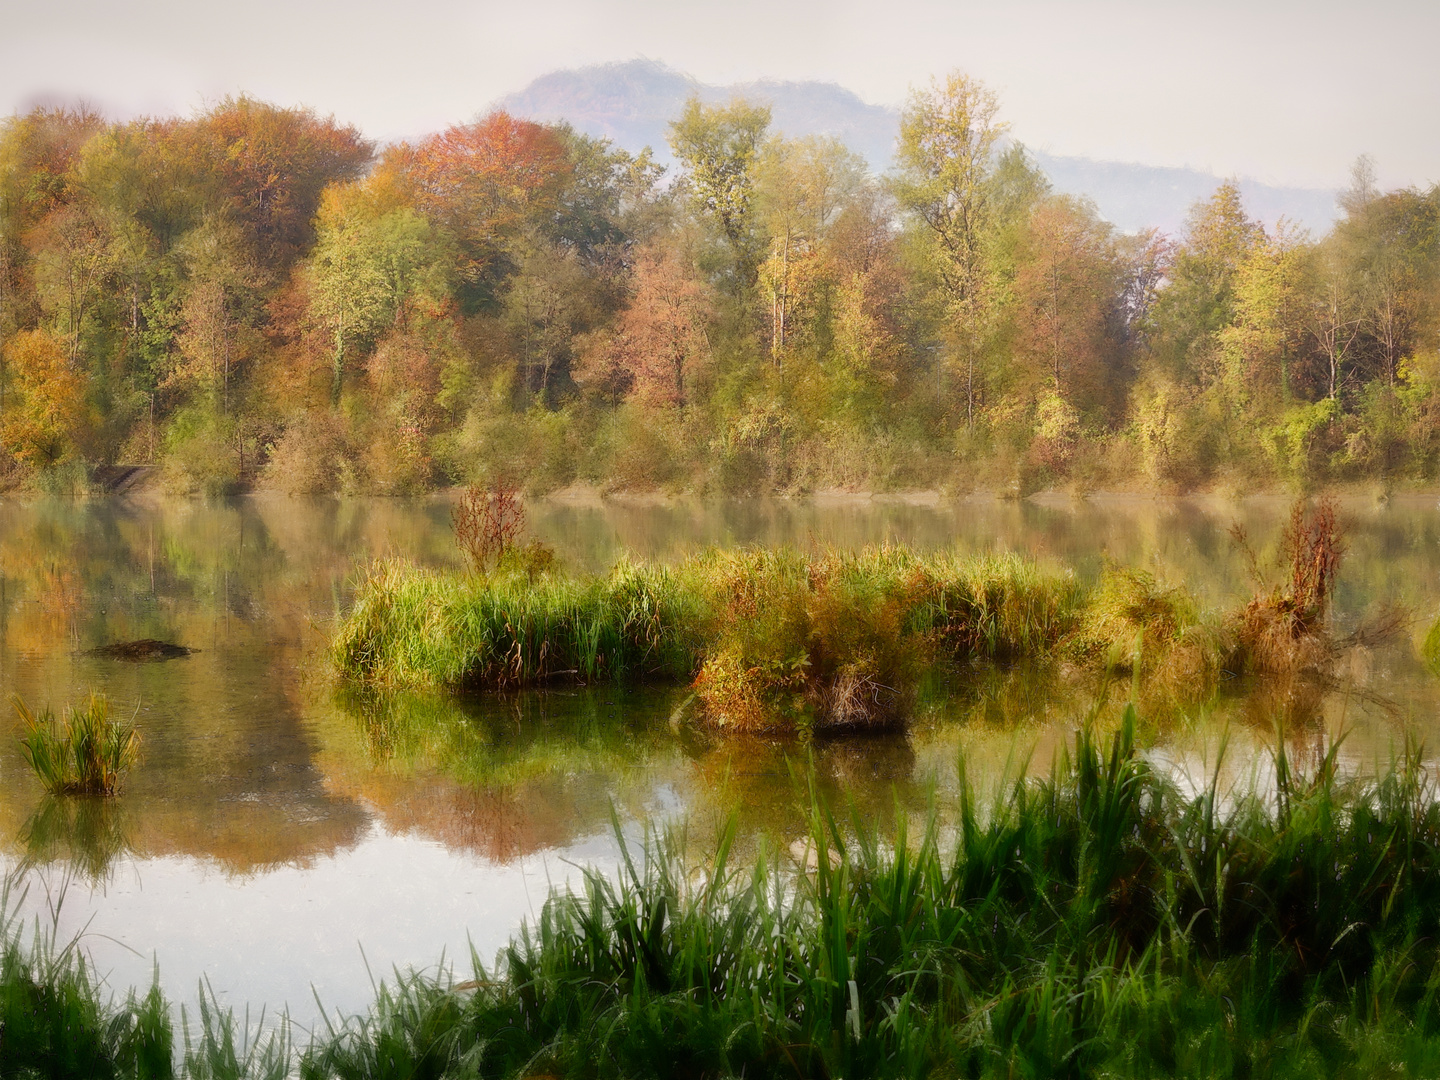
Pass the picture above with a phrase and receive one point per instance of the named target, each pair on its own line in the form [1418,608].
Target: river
[289,839]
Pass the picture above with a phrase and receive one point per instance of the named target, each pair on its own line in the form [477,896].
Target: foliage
[88,752]
[247,297]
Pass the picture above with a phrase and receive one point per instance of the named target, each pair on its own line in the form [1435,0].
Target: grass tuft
[88,752]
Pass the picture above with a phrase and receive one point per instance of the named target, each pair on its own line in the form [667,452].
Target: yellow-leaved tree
[42,414]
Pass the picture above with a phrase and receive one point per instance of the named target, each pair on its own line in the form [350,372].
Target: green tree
[801,187]
[1200,299]
[719,149]
[1262,344]
[949,137]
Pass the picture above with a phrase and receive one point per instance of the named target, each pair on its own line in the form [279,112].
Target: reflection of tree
[89,831]
[500,777]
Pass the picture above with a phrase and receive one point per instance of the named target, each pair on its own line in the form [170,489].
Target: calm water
[279,822]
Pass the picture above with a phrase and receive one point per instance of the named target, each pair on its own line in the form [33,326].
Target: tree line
[257,296]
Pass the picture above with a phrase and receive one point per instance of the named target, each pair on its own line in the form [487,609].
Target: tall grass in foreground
[1096,922]
[58,1020]
[88,752]
[54,1023]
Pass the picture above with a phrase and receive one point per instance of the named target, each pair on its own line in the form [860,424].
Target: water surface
[279,822]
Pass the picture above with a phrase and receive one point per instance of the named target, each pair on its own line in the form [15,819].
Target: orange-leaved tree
[658,348]
[482,182]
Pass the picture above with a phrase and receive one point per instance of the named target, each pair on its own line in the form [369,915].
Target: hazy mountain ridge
[633,103]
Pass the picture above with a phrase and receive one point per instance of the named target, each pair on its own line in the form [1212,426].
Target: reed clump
[1097,922]
[54,1021]
[771,638]
[86,752]
[415,627]
[1157,633]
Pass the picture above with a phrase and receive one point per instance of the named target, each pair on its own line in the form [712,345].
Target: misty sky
[1285,92]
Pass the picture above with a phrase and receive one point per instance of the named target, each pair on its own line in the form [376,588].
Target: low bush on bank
[1099,921]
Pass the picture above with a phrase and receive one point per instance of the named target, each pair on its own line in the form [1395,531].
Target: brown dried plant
[487,522]
[1283,628]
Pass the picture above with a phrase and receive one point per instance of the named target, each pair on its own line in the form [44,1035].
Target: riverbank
[1100,921]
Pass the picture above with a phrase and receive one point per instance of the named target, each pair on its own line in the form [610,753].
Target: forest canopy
[259,297]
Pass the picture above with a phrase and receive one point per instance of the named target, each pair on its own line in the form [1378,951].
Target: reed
[54,1021]
[1093,923]
[771,638]
[414,627]
[88,752]
[1097,921]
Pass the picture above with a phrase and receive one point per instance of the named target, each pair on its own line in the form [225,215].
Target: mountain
[633,103]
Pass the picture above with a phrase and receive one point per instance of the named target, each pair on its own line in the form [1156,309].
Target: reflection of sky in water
[274,828]
[272,936]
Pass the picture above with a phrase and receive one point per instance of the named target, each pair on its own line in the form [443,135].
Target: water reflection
[87,831]
[254,758]
[269,797]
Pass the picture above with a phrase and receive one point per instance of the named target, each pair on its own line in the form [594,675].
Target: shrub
[1157,633]
[86,753]
[487,523]
[1283,629]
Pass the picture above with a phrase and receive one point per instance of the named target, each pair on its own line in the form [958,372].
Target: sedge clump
[87,751]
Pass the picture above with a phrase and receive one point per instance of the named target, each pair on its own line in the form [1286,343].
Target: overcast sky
[1285,92]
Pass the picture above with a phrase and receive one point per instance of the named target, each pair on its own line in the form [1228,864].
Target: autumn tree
[1146,258]
[550,301]
[481,183]
[38,155]
[1068,289]
[1264,341]
[216,315]
[658,348]
[719,147]
[1200,297]
[949,136]
[267,167]
[1390,247]
[43,416]
[73,258]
